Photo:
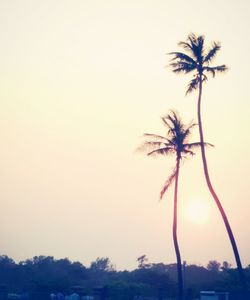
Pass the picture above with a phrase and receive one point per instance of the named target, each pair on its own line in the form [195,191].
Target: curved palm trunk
[176,246]
[216,199]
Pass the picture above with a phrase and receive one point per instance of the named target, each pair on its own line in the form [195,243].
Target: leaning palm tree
[175,142]
[197,60]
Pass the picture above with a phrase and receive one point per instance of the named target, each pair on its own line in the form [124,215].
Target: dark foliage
[42,275]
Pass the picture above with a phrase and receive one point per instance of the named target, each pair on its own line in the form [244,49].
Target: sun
[197,211]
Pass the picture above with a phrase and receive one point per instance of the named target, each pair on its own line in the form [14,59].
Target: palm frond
[174,124]
[204,78]
[214,70]
[168,183]
[209,70]
[189,152]
[221,68]
[197,46]
[149,146]
[186,132]
[195,145]
[186,46]
[165,121]
[212,52]
[208,144]
[191,125]
[193,84]
[187,149]
[182,57]
[200,45]
[162,151]
[173,118]
[156,136]
[182,67]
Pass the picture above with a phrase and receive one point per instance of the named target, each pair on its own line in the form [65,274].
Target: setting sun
[197,211]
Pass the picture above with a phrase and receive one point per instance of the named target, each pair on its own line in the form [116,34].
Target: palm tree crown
[175,142]
[196,60]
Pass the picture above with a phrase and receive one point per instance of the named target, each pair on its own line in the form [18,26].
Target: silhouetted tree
[7,270]
[102,264]
[46,274]
[101,271]
[142,261]
[175,142]
[213,265]
[198,60]
[225,266]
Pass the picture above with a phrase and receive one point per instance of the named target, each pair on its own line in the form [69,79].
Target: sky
[81,81]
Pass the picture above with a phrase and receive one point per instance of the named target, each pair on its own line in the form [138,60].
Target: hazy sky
[81,81]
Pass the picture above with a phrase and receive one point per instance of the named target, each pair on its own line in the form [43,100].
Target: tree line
[42,275]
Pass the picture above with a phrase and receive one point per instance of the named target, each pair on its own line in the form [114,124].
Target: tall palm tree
[197,60]
[175,143]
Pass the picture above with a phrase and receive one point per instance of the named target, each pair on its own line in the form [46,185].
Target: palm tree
[174,143]
[197,60]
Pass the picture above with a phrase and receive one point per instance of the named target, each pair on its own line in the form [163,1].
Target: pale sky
[81,81]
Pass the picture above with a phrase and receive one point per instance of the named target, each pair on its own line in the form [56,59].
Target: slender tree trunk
[216,199]
[176,246]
